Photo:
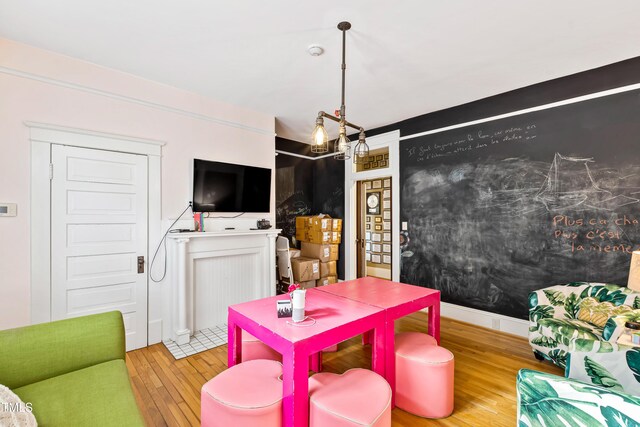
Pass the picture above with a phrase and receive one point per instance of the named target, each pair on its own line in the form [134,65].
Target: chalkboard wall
[294,191]
[308,187]
[498,209]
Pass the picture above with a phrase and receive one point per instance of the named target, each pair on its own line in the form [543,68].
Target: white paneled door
[99,236]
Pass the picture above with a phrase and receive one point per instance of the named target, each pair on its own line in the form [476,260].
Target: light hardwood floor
[486,363]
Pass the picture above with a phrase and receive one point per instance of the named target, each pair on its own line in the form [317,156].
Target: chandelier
[342,145]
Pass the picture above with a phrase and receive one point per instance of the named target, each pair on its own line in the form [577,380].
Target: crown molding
[132,100]
[302,156]
[526,110]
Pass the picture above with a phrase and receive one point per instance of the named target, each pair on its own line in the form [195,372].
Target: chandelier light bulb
[343,142]
[361,150]
[320,135]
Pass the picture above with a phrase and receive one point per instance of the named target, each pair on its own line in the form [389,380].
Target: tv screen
[225,187]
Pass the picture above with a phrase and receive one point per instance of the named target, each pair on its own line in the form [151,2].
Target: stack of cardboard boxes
[316,263]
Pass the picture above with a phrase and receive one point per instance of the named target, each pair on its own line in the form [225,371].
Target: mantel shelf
[222,233]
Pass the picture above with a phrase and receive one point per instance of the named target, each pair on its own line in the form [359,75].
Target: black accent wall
[513,265]
[489,224]
[307,187]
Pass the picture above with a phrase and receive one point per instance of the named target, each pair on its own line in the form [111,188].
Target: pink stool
[246,395]
[424,376]
[253,348]
[358,397]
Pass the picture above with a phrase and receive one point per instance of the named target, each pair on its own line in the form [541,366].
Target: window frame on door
[41,137]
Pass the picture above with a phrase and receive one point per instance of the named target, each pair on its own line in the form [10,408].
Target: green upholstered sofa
[72,371]
[546,400]
[555,333]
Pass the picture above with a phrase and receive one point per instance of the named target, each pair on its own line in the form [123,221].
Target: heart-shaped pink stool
[358,397]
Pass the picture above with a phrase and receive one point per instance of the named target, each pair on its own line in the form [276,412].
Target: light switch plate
[405,225]
[8,209]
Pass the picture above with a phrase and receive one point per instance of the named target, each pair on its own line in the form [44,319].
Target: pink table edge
[430,298]
[296,360]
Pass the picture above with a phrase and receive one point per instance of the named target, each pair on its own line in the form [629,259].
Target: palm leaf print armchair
[576,326]
[546,400]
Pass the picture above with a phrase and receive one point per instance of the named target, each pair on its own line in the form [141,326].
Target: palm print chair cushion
[567,320]
[546,400]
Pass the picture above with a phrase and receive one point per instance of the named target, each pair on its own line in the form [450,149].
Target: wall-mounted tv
[226,187]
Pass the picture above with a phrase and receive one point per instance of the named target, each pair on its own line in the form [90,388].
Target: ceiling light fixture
[342,145]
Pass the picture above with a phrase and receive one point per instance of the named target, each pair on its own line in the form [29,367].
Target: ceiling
[404,58]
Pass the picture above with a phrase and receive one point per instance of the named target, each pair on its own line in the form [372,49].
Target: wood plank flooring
[486,363]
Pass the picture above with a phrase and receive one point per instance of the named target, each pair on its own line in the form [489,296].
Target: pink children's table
[336,319]
[397,300]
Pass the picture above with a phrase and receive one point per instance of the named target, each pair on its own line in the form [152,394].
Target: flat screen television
[226,187]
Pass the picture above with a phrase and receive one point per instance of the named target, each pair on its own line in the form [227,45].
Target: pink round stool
[253,348]
[424,376]
[358,397]
[246,395]
[331,349]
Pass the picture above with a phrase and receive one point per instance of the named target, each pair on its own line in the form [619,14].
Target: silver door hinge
[50,171]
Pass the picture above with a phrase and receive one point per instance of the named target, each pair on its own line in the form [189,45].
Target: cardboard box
[334,252]
[336,237]
[305,269]
[314,223]
[319,223]
[308,284]
[301,221]
[294,253]
[323,281]
[324,253]
[328,269]
[321,237]
[301,234]
[301,227]
[336,224]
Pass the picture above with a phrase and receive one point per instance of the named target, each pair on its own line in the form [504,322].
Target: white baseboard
[485,319]
[154,332]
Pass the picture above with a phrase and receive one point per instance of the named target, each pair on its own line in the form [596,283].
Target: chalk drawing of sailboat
[570,184]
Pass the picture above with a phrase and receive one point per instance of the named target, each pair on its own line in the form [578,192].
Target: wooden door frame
[351,177]
[361,262]
[41,137]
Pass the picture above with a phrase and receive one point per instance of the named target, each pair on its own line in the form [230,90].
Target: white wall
[41,86]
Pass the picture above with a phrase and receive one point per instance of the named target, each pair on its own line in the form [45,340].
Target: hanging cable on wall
[163,243]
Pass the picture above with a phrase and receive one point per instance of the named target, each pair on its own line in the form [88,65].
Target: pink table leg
[315,361]
[366,337]
[234,347]
[390,358]
[295,383]
[434,321]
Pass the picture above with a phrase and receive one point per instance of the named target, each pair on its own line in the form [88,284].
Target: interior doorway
[93,218]
[374,226]
[383,163]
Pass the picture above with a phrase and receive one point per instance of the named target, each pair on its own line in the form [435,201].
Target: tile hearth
[204,339]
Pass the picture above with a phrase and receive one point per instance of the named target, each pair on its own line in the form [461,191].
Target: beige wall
[41,86]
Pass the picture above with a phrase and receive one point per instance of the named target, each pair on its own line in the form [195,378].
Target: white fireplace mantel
[214,269]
